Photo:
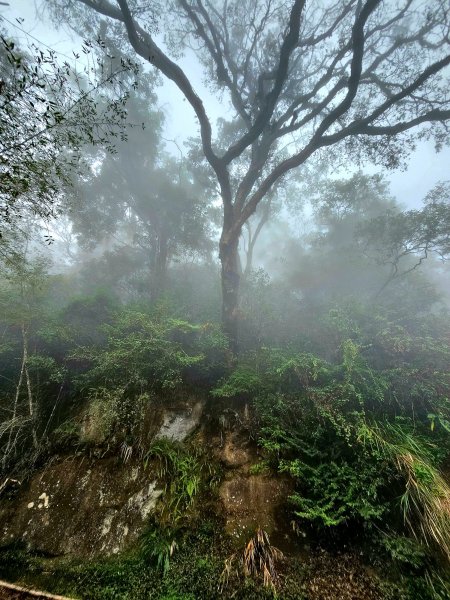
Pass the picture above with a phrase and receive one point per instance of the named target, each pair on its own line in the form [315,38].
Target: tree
[365,75]
[328,262]
[21,303]
[253,232]
[48,112]
[142,197]
[403,240]
[155,209]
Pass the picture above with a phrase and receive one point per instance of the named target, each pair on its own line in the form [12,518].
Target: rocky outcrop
[84,506]
[81,506]
[87,506]
[250,500]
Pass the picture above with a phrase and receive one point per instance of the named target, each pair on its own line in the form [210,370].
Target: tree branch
[289,44]
[355,69]
[216,53]
[144,45]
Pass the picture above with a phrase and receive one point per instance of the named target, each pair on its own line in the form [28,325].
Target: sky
[425,167]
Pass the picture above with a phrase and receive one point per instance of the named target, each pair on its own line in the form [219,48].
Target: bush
[332,428]
[149,352]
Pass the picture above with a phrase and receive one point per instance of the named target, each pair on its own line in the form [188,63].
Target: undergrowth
[195,573]
[184,472]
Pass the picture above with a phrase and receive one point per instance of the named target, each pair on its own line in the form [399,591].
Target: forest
[225,299]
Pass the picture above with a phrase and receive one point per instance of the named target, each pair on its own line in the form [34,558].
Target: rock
[80,506]
[236,451]
[178,424]
[87,506]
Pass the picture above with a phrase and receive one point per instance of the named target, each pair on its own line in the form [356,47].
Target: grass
[181,471]
[184,472]
[425,502]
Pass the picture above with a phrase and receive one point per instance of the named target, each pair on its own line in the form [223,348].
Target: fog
[240,206]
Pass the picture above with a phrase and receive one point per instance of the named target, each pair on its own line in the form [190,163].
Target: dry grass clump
[426,501]
[257,559]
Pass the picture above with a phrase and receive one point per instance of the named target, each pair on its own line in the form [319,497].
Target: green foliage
[335,493]
[404,550]
[242,382]
[271,370]
[425,500]
[80,320]
[48,112]
[140,352]
[260,468]
[47,368]
[333,429]
[159,545]
[111,415]
[433,586]
[194,572]
[102,414]
[310,412]
[184,472]
[353,406]
[66,435]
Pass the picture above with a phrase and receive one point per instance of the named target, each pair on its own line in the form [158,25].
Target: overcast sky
[425,167]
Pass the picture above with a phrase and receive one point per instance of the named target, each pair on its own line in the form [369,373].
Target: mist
[224,299]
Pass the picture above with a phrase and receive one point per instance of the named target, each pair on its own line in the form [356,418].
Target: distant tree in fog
[143,199]
[332,262]
[403,240]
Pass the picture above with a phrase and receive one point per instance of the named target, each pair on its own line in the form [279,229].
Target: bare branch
[356,68]
[289,44]
[145,46]
[217,53]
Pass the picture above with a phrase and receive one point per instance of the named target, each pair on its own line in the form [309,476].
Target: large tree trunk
[231,275]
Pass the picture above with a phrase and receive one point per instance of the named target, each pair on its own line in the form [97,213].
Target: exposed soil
[340,577]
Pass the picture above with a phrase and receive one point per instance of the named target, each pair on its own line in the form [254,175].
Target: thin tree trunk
[161,267]
[29,390]
[23,372]
[249,255]
[9,444]
[252,238]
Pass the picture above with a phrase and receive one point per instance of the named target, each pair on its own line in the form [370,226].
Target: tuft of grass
[184,473]
[425,502]
[258,559]
[160,545]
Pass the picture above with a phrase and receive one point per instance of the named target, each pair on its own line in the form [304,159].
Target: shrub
[142,352]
